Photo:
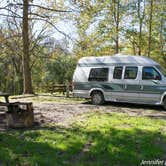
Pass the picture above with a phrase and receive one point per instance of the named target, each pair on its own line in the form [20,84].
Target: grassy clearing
[95,139]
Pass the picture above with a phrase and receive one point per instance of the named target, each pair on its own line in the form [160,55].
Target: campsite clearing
[74,132]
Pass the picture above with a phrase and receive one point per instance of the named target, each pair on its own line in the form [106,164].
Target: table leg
[7,99]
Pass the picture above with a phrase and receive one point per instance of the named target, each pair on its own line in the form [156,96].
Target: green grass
[95,139]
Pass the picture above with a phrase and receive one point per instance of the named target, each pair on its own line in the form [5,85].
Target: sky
[66,27]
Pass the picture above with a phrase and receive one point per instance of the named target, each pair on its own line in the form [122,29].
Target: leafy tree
[60,70]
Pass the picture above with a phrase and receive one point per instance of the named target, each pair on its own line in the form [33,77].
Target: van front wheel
[97,98]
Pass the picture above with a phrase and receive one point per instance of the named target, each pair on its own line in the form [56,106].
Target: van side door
[125,83]
[131,84]
[150,84]
[116,83]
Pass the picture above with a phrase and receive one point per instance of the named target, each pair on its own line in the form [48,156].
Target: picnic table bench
[60,88]
[18,114]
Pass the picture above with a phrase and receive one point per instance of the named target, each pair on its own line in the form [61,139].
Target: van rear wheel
[164,103]
[97,98]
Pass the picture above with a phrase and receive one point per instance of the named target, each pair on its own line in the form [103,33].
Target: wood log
[17,117]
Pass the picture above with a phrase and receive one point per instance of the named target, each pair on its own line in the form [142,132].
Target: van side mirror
[157,77]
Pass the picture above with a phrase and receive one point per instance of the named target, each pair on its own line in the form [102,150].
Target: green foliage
[94,139]
[126,21]
[60,70]
[102,28]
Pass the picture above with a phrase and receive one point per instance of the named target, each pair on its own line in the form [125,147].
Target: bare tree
[46,15]
[141,16]
[26,57]
[150,27]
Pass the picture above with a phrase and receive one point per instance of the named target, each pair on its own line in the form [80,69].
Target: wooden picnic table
[18,114]
[6,96]
[11,105]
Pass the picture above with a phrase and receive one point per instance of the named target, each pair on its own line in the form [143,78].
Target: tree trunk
[5,89]
[116,19]
[162,51]
[20,83]
[150,28]
[140,27]
[140,38]
[26,57]
[12,88]
[141,15]
[134,50]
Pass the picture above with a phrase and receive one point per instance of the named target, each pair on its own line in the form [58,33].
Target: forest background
[41,41]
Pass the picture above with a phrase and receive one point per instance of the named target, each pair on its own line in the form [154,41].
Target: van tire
[164,103]
[97,98]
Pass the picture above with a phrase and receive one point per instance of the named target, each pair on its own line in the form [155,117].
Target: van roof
[117,59]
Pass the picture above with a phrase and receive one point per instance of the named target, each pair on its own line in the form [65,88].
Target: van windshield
[162,70]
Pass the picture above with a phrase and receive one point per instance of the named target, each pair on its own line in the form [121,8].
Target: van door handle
[141,87]
[124,86]
[155,81]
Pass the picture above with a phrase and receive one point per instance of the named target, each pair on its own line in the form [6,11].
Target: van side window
[131,72]
[150,73]
[118,72]
[98,74]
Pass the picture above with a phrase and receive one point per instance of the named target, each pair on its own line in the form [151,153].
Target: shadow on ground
[80,145]
[130,105]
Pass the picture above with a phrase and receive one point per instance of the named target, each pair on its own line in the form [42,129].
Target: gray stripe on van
[111,87]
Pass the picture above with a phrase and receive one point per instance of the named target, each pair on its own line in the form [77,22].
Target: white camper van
[120,78]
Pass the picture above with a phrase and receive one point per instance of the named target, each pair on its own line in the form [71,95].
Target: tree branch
[43,7]
[6,15]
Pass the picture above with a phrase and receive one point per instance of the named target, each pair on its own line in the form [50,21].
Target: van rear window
[131,72]
[98,74]
[118,72]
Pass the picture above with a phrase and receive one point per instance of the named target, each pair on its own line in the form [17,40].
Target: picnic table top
[4,94]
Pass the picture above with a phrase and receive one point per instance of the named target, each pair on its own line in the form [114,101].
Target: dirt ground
[59,113]
[64,113]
